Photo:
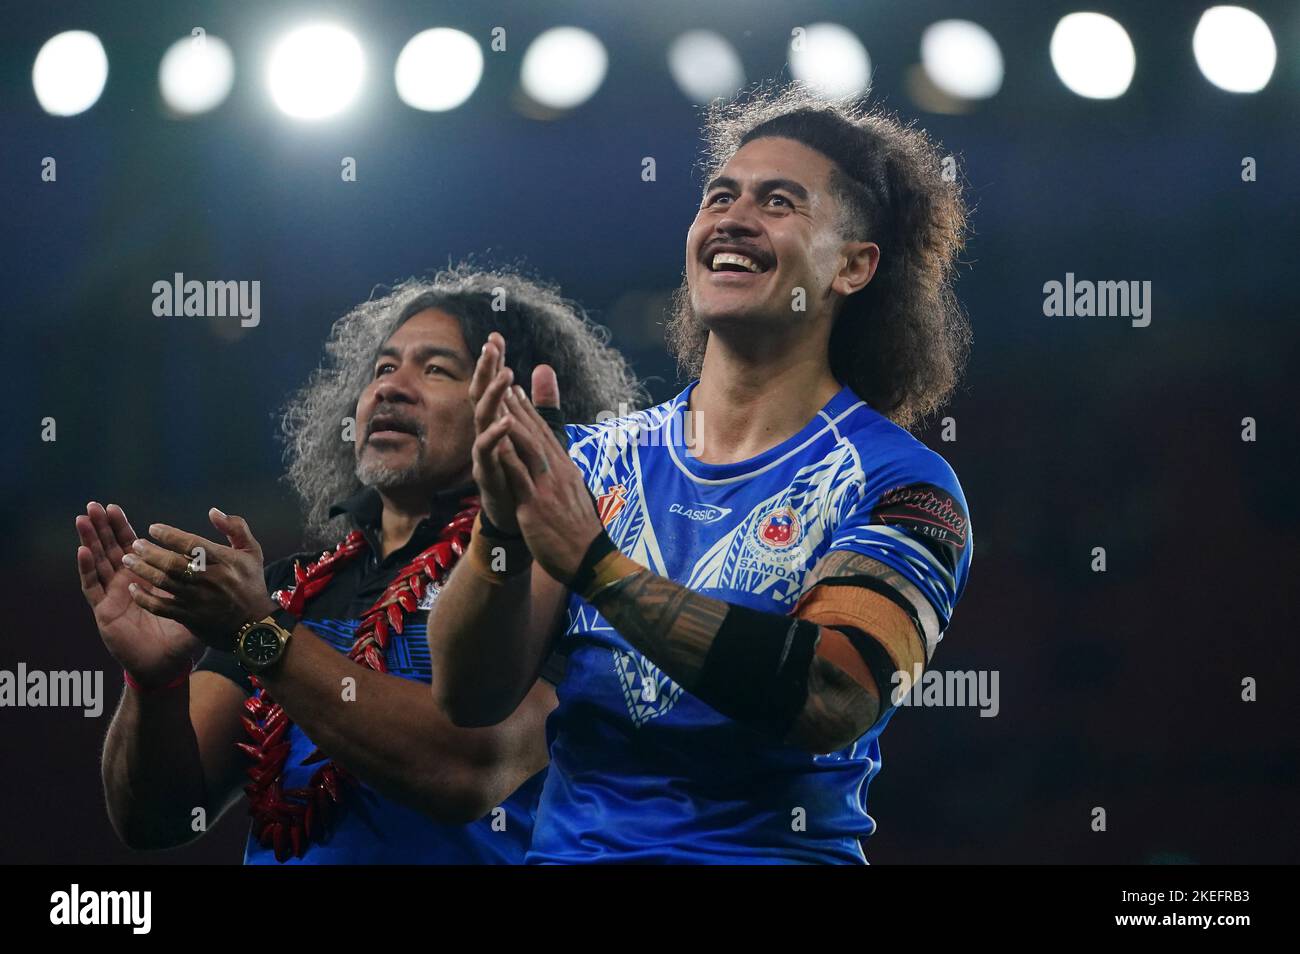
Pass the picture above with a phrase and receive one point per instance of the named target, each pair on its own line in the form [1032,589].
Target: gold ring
[188,574]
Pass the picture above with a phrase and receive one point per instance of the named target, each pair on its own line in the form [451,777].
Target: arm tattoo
[673,626]
[838,710]
[848,563]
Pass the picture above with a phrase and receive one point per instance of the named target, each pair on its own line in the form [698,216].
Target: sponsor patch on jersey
[610,503]
[930,513]
[700,513]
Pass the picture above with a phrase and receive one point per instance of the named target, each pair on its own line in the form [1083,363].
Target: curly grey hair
[539,326]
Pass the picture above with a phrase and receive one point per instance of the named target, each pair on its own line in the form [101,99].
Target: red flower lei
[288,820]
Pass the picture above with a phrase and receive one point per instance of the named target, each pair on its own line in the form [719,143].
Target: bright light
[70,72]
[830,60]
[1234,49]
[316,71]
[438,69]
[1093,55]
[705,66]
[196,74]
[563,67]
[962,59]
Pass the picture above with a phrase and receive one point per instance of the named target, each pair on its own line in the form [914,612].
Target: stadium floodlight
[1234,49]
[316,71]
[705,66]
[1093,55]
[962,59]
[830,60]
[438,69]
[563,67]
[69,73]
[196,74]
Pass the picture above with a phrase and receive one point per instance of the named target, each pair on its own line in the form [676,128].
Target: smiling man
[314,702]
[735,613]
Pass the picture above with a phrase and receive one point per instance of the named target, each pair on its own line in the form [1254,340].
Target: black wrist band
[554,419]
[284,619]
[490,529]
[586,572]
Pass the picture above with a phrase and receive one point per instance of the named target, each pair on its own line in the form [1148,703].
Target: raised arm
[489,638]
[169,752]
[170,747]
[492,626]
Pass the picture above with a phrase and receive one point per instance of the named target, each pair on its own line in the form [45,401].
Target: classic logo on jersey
[610,503]
[930,513]
[700,513]
[779,530]
[647,692]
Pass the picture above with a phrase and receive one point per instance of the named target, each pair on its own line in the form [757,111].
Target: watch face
[261,644]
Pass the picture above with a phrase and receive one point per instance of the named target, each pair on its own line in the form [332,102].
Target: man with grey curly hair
[312,694]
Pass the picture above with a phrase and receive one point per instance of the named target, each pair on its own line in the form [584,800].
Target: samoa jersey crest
[779,530]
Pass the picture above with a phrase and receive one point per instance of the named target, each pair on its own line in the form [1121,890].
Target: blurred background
[1110,146]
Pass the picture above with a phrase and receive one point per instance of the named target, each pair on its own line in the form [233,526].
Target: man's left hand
[223,589]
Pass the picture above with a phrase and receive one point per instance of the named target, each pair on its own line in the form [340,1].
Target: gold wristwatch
[261,644]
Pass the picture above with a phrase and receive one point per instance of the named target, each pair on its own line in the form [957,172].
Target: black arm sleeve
[278,574]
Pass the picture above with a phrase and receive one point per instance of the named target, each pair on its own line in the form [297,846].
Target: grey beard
[372,473]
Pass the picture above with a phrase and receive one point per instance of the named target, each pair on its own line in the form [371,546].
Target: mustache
[391,417]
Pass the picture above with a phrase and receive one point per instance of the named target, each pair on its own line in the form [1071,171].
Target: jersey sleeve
[912,517]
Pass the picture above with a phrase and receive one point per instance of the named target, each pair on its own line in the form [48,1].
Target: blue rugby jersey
[368,827]
[643,771]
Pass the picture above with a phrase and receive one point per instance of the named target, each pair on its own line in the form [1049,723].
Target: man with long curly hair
[740,614]
[315,701]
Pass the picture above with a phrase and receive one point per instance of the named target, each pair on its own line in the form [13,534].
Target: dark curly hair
[540,327]
[901,342]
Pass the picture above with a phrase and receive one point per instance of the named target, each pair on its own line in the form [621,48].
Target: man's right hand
[486,389]
[153,650]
